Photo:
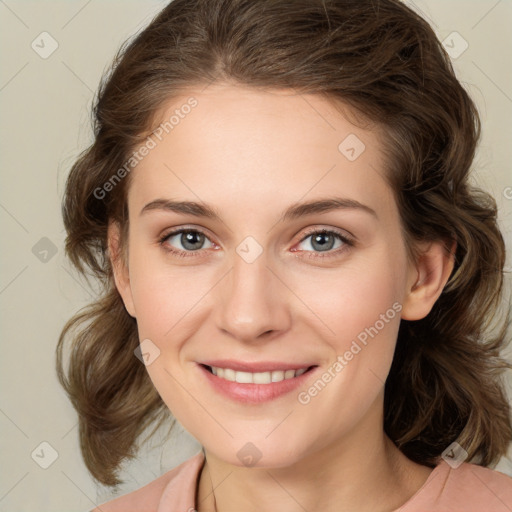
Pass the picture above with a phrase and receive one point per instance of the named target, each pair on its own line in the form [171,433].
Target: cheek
[338,303]
[352,298]
[363,310]
[339,310]
[163,294]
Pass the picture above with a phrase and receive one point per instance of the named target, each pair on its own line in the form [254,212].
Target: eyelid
[346,237]
[344,234]
[348,241]
[176,231]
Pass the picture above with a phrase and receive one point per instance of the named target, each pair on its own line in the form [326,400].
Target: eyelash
[348,242]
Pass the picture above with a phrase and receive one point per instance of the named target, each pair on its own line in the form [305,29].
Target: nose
[252,303]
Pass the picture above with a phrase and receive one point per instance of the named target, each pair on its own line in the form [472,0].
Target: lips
[255,382]
[254,367]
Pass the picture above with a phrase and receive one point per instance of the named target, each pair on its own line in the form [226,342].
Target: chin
[256,454]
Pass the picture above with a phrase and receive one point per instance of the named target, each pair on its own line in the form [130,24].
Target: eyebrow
[294,211]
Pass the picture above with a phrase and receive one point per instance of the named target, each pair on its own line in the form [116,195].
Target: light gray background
[45,106]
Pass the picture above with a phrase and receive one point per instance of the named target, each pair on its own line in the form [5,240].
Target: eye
[189,241]
[325,241]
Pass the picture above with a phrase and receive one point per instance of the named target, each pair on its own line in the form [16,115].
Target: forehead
[254,149]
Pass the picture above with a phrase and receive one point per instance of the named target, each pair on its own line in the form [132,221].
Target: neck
[362,472]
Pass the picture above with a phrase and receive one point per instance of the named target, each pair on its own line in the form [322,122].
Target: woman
[294,265]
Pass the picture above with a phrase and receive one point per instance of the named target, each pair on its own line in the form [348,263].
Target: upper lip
[256,366]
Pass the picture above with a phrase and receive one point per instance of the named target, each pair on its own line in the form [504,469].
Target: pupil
[323,246]
[191,240]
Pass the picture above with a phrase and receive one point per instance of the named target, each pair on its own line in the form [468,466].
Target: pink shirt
[469,488]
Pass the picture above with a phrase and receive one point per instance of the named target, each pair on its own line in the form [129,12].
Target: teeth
[277,376]
[256,378]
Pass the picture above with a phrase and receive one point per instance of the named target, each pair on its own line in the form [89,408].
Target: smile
[254,383]
[257,377]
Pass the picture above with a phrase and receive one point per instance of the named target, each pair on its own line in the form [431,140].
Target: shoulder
[178,485]
[484,480]
[468,488]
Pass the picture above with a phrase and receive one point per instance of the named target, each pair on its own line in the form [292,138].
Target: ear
[428,277]
[119,262]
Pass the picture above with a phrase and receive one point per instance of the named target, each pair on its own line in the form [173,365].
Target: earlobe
[431,272]
[120,267]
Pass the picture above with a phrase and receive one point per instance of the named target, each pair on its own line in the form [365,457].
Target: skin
[250,155]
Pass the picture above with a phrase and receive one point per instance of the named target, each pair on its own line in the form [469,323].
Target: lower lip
[254,393]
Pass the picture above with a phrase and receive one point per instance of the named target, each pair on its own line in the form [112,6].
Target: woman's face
[252,285]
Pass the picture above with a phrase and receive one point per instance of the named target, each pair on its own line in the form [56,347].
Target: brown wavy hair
[384,61]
